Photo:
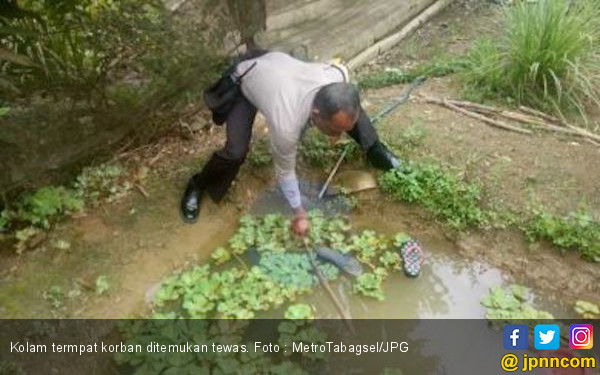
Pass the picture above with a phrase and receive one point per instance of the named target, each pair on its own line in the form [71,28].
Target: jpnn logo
[581,336]
[516,337]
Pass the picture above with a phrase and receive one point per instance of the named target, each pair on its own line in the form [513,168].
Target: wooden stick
[558,121]
[241,261]
[532,117]
[487,120]
[529,118]
[543,115]
[333,171]
[325,284]
[142,190]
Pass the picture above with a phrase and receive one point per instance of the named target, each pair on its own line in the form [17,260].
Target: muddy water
[449,286]
[137,250]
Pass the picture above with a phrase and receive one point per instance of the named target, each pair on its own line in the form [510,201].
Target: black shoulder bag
[221,96]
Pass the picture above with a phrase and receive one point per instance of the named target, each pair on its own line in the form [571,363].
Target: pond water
[449,286]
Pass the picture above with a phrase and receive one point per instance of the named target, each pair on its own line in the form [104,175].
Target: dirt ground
[138,240]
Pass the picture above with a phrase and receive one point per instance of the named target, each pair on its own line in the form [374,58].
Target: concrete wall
[323,29]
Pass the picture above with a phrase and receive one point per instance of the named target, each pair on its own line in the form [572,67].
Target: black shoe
[381,157]
[190,203]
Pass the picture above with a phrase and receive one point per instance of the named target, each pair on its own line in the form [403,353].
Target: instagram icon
[581,336]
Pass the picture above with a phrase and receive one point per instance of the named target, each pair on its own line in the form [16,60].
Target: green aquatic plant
[300,331]
[390,259]
[510,304]
[300,311]
[367,245]
[587,310]
[283,271]
[220,256]
[370,284]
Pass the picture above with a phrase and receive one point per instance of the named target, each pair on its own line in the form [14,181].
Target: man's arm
[284,156]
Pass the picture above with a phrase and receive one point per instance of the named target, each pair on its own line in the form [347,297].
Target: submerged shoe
[381,157]
[344,262]
[412,258]
[190,204]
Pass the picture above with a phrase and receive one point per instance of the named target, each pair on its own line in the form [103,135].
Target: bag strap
[238,79]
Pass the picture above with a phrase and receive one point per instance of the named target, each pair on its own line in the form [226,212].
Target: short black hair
[337,96]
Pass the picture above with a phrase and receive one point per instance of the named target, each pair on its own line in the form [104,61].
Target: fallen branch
[543,115]
[477,116]
[558,121]
[325,284]
[531,118]
[241,261]
[142,190]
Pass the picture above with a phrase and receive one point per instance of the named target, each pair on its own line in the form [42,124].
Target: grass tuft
[548,57]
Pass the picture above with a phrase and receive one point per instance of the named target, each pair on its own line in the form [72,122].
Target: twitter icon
[547,336]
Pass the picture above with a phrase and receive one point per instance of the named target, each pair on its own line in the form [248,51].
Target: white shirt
[283,89]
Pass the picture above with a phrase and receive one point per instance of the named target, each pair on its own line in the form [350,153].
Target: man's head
[335,108]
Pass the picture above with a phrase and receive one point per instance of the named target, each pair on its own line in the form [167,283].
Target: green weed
[102,284]
[106,181]
[577,232]
[40,207]
[9,368]
[443,193]
[44,205]
[587,310]
[408,139]
[317,151]
[260,155]
[390,77]
[511,304]
[55,296]
[548,56]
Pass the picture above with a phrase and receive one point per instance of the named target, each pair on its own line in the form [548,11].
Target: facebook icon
[516,336]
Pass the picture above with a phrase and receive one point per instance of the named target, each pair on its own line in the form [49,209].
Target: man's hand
[300,224]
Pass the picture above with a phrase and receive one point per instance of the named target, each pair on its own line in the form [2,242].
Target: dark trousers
[220,171]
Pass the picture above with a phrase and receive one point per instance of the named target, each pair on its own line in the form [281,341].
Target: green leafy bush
[446,195]
[39,207]
[84,74]
[578,231]
[548,56]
